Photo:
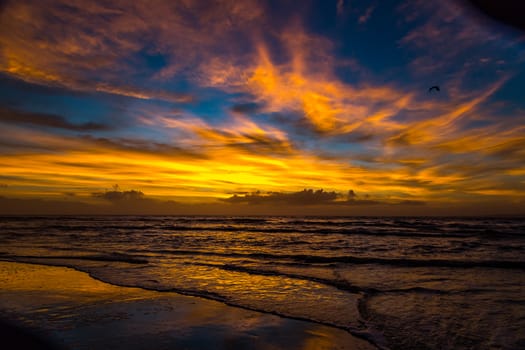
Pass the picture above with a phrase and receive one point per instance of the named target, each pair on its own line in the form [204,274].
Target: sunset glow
[243,106]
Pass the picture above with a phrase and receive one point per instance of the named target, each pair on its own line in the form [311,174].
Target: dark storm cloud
[13,116]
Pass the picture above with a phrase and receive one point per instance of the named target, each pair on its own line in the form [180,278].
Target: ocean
[400,283]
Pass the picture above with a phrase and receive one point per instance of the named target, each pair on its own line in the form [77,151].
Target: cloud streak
[365,17]
[13,116]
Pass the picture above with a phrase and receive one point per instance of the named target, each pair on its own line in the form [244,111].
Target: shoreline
[76,310]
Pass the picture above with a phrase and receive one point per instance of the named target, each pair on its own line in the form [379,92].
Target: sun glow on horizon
[238,104]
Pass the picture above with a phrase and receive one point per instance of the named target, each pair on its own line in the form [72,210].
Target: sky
[259,107]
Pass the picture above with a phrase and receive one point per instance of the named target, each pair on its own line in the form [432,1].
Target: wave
[108,258]
[345,285]
[292,259]
[387,227]
[310,259]
[386,231]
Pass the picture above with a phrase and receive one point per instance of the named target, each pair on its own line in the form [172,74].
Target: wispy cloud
[447,36]
[444,124]
[307,83]
[340,7]
[13,116]
[365,17]
[91,45]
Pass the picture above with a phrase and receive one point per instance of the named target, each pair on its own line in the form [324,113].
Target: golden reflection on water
[280,294]
[85,313]
[62,285]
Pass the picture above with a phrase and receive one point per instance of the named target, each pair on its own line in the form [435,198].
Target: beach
[265,282]
[71,310]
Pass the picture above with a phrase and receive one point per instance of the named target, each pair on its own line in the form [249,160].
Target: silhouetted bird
[433,87]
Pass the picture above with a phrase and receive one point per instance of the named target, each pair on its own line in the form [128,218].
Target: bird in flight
[435,87]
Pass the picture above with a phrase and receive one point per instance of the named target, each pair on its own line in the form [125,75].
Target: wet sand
[70,310]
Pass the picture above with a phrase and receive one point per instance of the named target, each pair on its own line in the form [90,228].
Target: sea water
[400,283]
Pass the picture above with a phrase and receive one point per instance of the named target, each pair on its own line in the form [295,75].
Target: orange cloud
[48,163]
[226,160]
[88,45]
[306,83]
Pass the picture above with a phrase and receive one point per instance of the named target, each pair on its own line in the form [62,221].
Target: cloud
[142,146]
[445,35]
[13,116]
[117,195]
[130,91]
[304,197]
[340,7]
[75,206]
[306,85]
[238,132]
[233,157]
[444,121]
[37,141]
[412,202]
[246,108]
[90,45]
[281,109]
[512,147]
[354,199]
[310,197]
[366,15]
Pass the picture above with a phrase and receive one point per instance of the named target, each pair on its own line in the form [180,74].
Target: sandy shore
[71,310]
